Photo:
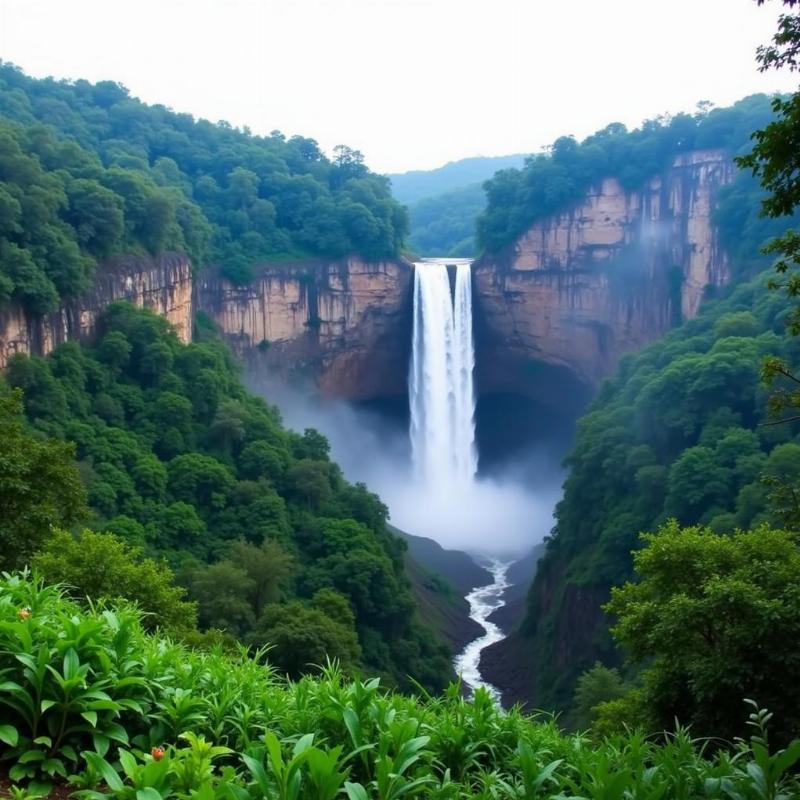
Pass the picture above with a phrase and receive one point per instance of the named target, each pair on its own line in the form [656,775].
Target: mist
[506,511]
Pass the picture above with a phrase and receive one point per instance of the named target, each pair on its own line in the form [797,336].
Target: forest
[182,466]
[551,181]
[196,604]
[88,171]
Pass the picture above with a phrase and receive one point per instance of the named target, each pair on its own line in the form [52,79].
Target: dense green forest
[88,171]
[463,220]
[89,695]
[551,181]
[183,464]
[677,433]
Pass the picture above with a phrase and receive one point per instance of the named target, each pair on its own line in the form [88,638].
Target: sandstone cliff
[343,324]
[162,284]
[604,277]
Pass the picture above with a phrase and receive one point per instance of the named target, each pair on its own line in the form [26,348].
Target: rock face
[552,315]
[162,284]
[583,287]
[346,324]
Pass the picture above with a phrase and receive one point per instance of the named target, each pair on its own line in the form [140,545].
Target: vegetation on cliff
[112,174]
[183,464]
[677,433]
[552,181]
[91,697]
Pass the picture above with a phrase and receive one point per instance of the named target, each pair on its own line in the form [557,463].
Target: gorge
[553,313]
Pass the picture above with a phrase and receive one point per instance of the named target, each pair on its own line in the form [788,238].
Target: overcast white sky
[411,83]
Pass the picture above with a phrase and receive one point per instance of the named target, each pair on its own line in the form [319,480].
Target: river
[482,602]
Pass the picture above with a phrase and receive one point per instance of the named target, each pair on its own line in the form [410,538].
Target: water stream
[482,602]
[441,396]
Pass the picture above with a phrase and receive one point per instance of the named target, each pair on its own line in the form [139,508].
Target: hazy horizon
[413,84]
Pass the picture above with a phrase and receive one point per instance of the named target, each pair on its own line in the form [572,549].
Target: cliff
[345,325]
[558,310]
[581,288]
[162,284]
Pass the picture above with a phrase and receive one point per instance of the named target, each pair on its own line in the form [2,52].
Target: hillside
[553,181]
[411,187]
[444,224]
[152,179]
[677,433]
[181,461]
[175,722]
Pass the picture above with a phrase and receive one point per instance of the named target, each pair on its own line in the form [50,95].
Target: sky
[411,83]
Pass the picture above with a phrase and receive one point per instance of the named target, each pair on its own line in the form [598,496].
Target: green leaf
[355,791]
[148,793]
[9,735]
[258,772]
[101,743]
[90,717]
[100,765]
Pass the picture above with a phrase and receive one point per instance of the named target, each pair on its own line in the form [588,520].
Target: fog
[502,514]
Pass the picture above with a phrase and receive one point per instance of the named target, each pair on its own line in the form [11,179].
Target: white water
[441,392]
[482,602]
[442,401]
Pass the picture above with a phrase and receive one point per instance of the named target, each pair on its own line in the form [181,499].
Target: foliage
[110,173]
[39,485]
[62,210]
[101,566]
[549,182]
[182,463]
[131,716]
[412,187]
[596,686]
[678,432]
[714,617]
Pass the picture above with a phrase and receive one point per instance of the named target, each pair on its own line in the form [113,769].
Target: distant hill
[410,187]
[444,203]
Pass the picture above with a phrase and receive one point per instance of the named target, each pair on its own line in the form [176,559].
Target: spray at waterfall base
[502,514]
[445,499]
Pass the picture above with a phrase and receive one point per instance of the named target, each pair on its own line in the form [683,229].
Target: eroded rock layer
[345,325]
[583,287]
[162,284]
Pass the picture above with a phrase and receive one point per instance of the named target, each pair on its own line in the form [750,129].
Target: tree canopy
[715,619]
[184,465]
[552,181]
[89,171]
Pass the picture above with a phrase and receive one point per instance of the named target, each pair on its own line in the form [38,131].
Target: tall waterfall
[441,392]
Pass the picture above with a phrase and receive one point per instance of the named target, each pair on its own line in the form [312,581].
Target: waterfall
[441,394]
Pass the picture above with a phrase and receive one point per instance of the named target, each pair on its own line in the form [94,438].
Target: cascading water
[442,401]
[441,392]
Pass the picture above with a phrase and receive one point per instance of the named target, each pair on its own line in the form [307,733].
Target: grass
[88,699]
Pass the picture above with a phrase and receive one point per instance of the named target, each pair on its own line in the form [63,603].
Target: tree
[715,619]
[775,157]
[597,685]
[268,567]
[99,565]
[39,485]
[303,638]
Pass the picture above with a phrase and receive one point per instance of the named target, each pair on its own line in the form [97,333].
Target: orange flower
[157,753]
[24,613]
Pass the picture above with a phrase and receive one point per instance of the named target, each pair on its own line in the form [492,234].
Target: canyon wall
[162,284]
[602,278]
[345,325]
[552,314]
